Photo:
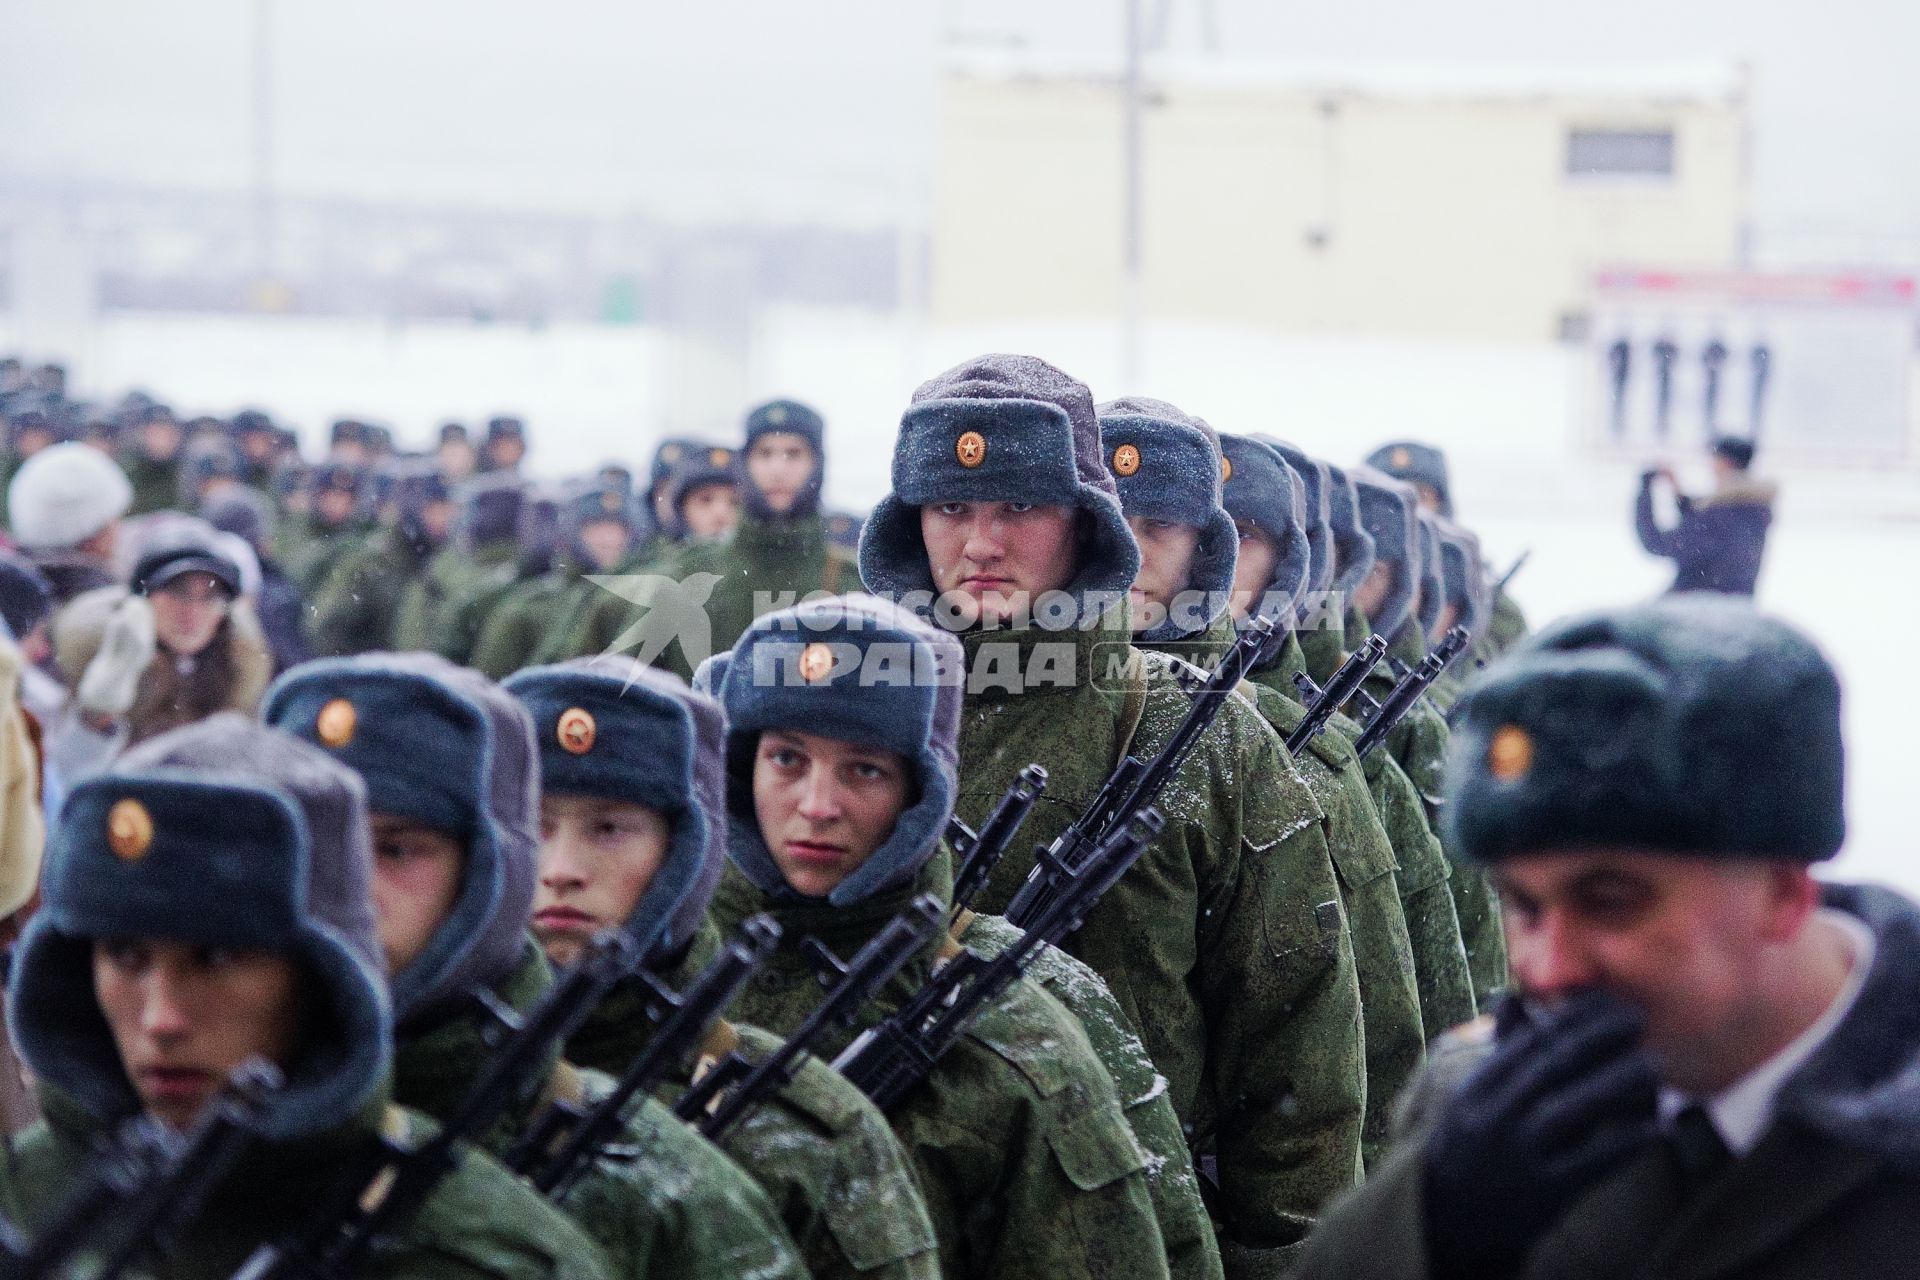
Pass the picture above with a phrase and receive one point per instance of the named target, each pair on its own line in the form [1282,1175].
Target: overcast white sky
[825,108]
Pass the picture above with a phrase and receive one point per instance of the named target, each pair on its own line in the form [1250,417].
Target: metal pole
[263,141]
[1130,208]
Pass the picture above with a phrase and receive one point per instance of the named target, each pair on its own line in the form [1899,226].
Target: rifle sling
[1133,705]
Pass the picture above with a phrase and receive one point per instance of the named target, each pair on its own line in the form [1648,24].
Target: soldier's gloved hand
[1563,1099]
[111,680]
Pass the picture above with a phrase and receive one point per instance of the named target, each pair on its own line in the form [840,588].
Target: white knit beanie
[65,494]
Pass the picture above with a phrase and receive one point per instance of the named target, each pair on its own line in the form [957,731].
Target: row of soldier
[1237,1014]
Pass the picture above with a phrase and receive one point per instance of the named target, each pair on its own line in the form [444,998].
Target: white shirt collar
[1742,1111]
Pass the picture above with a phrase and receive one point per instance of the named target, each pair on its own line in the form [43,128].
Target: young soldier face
[436,519]
[1253,570]
[184,1016]
[605,542]
[1166,557]
[160,441]
[991,554]
[824,805]
[1372,591]
[780,464]
[505,452]
[187,613]
[456,459]
[1687,940]
[710,510]
[416,877]
[335,506]
[597,858]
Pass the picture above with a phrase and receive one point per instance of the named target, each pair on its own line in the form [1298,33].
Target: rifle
[1136,784]
[1390,710]
[562,1143]
[335,1243]
[850,986]
[1341,686]
[979,854]
[1507,577]
[154,1180]
[888,1061]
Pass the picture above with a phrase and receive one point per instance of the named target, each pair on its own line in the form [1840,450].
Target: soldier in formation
[1290,1000]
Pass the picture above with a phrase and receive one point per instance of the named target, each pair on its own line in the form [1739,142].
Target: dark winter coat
[283,617]
[1720,539]
[71,573]
[1828,1192]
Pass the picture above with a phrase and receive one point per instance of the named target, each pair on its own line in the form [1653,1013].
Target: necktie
[1697,1149]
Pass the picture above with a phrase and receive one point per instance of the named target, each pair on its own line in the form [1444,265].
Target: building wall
[1294,208]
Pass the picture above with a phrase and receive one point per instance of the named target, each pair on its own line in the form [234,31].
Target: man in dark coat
[1710,1066]
[1719,540]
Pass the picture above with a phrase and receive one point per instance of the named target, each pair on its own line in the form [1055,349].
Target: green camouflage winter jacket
[1192,1253]
[437,612]
[1422,871]
[1025,1160]
[1226,944]
[1364,863]
[354,609]
[1419,744]
[673,1206]
[764,565]
[822,1152]
[480,1223]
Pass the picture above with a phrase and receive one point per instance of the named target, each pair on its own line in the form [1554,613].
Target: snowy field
[1841,562]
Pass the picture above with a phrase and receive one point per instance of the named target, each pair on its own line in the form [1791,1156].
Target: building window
[1620,153]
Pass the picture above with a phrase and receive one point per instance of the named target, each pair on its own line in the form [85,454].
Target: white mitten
[108,685]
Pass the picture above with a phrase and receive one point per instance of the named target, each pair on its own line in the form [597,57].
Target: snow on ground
[1840,562]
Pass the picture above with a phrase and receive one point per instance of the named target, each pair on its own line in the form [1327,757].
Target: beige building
[1274,199]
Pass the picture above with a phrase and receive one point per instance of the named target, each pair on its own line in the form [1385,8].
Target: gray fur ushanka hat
[1694,725]
[858,669]
[448,748]
[1386,512]
[1166,465]
[614,728]
[999,428]
[1433,582]
[1416,463]
[1262,489]
[1353,549]
[222,833]
[1317,515]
